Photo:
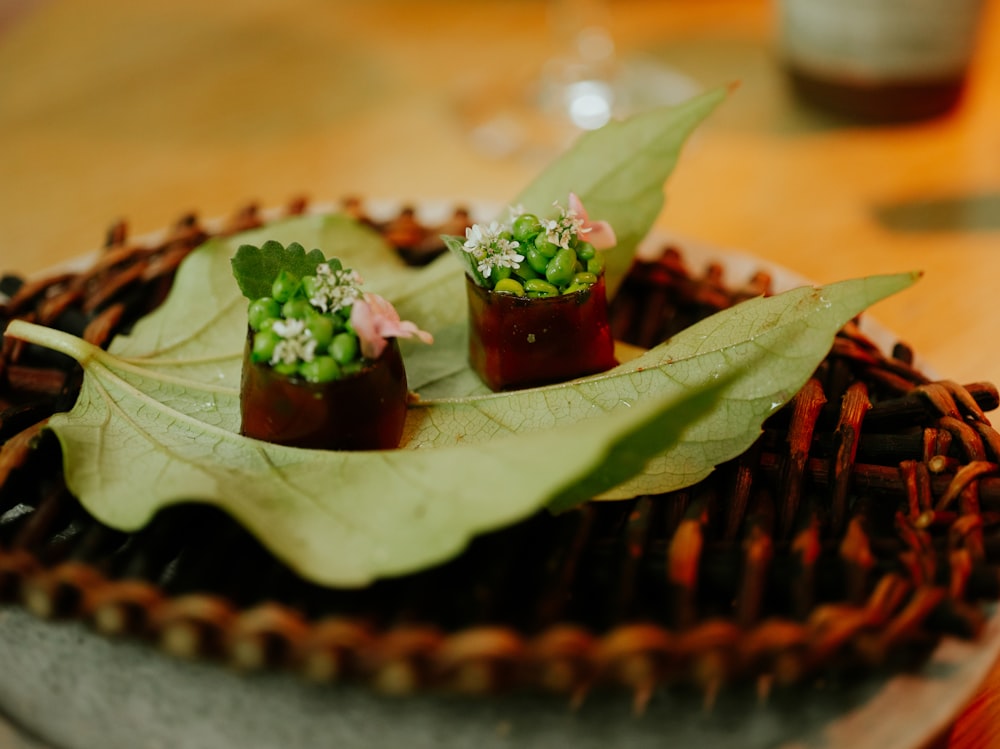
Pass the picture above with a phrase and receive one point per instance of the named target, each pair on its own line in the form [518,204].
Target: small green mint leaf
[255,268]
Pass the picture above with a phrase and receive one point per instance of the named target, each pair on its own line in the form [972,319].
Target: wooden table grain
[143,111]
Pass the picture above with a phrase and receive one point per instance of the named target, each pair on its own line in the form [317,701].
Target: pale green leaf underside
[139,439]
[797,328]
[339,519]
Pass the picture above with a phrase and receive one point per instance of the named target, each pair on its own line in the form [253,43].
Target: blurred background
[114,109]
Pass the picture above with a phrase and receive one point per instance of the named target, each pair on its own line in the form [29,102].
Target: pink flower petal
[363,322]
[601,235]
[598,233]
[374,319]
[576,205]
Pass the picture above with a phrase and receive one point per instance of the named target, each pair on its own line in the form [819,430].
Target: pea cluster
[548,269]
[297,339]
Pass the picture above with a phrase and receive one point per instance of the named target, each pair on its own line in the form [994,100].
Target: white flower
[334,289]
[492,248]
[563,230]
[574,223]
[477,239]
[296,343]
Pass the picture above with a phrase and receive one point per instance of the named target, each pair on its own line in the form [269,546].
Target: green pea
[320,369]
[561,268]
[596,265]
[263,346]
[285,286]
[585,251]
[296,309]
[536,259]
[574,288]
[309,286]
[320,327]
[286,369]
[344,348]
[536,287]
[509,286]
[262,309]
[544,246]
[525,272]
[525,227]
[585,278]
[499,274]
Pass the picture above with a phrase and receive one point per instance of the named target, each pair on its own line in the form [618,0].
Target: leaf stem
[84,353]
[50,338]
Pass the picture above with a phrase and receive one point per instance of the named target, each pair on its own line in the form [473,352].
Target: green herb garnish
[312,321]
[533,257]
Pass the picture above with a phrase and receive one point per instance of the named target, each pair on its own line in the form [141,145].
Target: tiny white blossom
[477,239]
[296,343]
[563,230]
[335,289]
[491,249]
[515,211]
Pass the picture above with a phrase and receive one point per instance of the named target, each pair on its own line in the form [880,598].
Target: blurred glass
[582,85]
[879,60]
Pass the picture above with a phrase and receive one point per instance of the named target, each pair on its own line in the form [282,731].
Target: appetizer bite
[537,304]
[321,365]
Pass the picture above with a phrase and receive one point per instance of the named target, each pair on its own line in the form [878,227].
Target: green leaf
[629,455]
[145,436]
[255,268]
[619,172]
[339,519]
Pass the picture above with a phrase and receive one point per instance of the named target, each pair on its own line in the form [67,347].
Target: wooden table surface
[113,108]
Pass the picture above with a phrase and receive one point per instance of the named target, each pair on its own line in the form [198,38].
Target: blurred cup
[878,60]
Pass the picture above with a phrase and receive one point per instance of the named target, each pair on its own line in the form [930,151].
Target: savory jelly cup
[518,342]
[364,411]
